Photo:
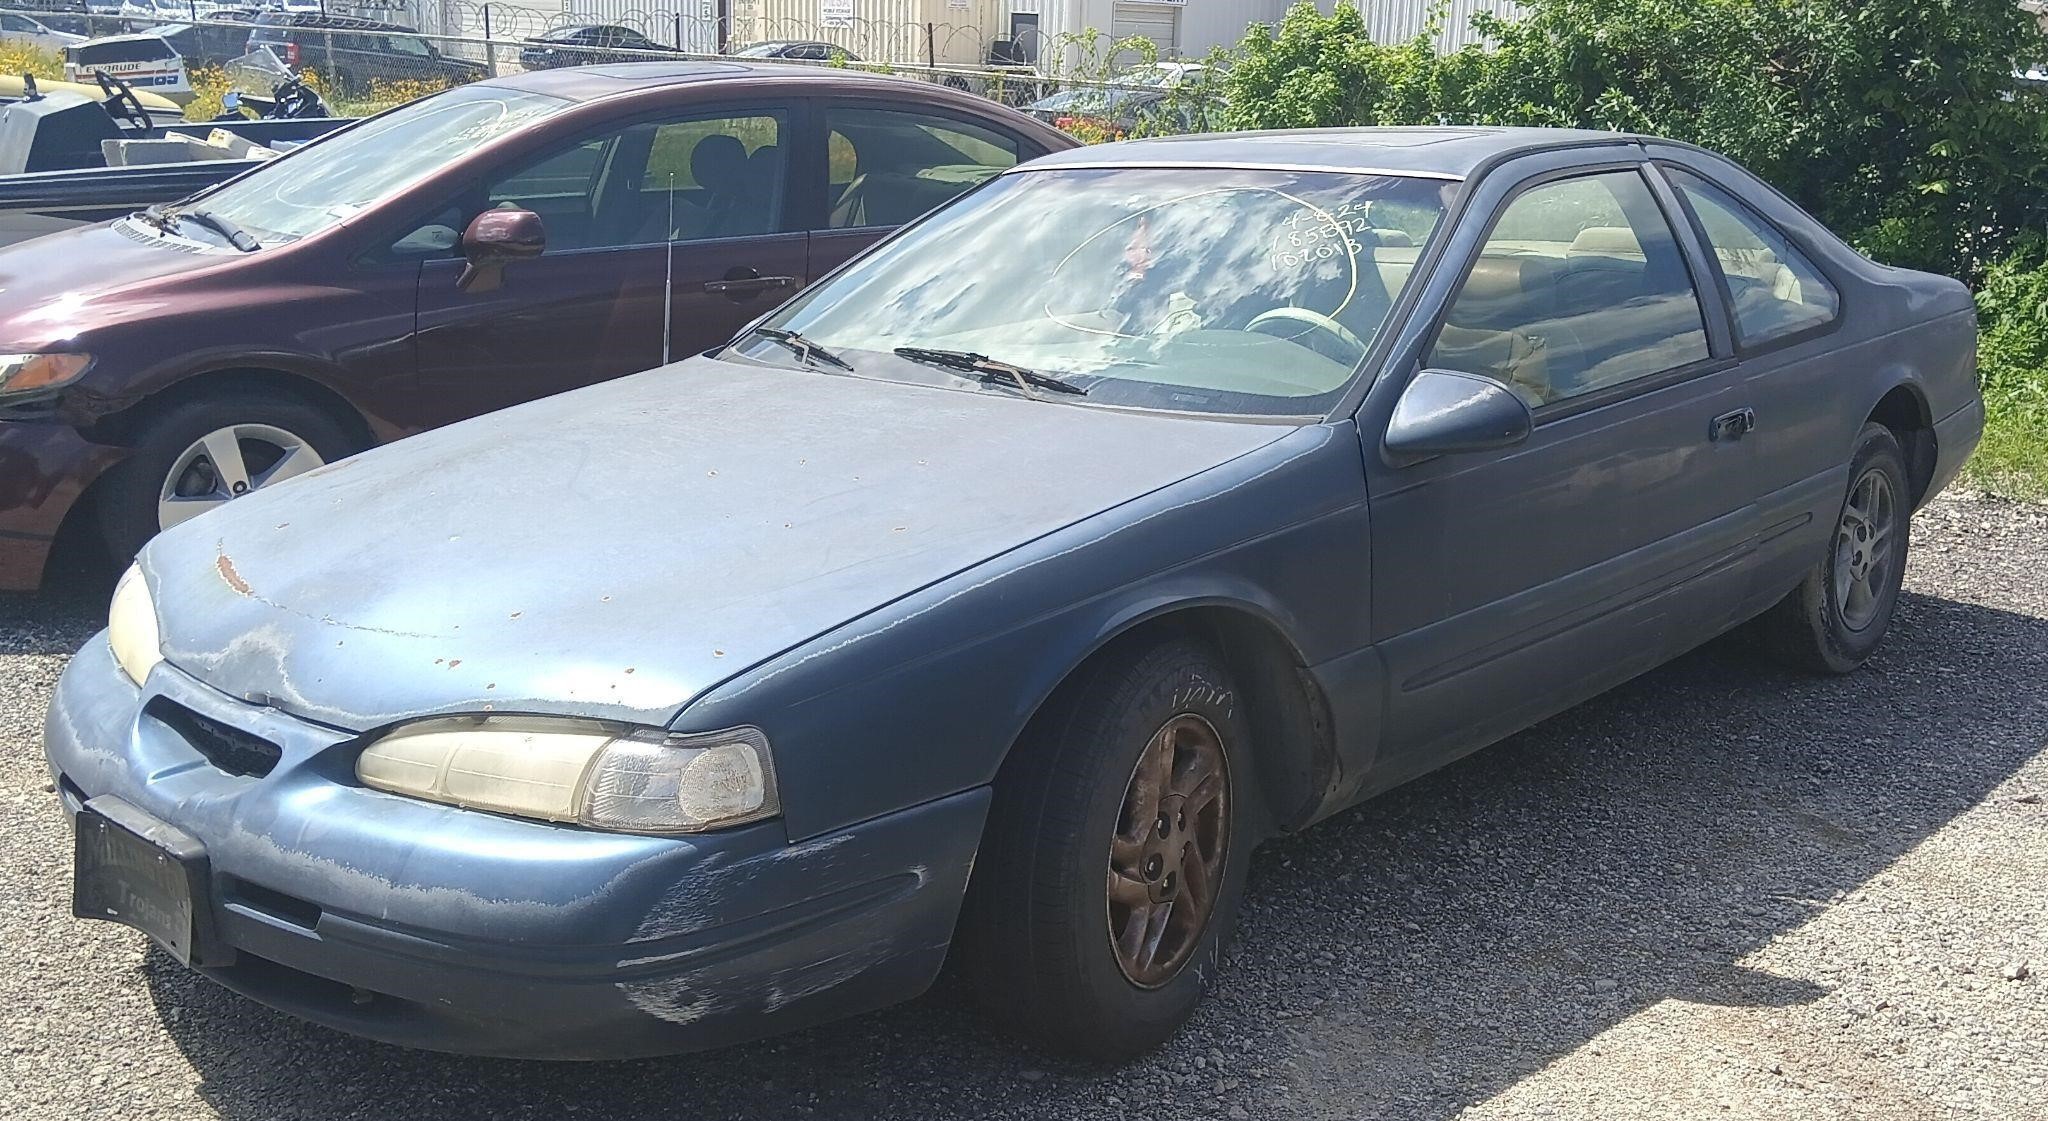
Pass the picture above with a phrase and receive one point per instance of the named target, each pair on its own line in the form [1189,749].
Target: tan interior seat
[1606,241]
[1514,358]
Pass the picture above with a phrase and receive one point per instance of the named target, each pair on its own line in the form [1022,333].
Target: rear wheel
[1115,856]
[203,454]
[1835,620]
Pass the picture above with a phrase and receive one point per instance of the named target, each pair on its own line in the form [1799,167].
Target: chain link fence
[1099,87]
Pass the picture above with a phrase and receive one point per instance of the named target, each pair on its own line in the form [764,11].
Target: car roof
[297,20]
[579,28]
[589,83]
[1444,152]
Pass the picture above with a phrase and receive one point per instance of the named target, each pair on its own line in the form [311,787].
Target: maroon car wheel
[201,454]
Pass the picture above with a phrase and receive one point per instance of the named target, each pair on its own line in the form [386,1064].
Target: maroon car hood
[58,286]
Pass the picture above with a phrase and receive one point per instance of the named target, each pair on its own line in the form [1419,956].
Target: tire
[128,506]
[1036,934]
[1821,627]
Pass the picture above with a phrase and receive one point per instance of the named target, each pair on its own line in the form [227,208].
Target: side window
[1773,288]
[1579,286]
[561,188]
[726,174]
[407,45]
[888,166]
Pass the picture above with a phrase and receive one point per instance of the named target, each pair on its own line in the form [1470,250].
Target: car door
[1782,307]
[690,208]
[886,164]
[1509,584]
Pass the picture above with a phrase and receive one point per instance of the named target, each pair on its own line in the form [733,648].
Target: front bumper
[441,928]
[44,467]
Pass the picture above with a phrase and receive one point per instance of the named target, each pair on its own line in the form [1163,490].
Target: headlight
[627,779]
[131,627]
[22,374]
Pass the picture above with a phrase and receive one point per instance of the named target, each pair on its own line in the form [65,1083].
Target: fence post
[679,30]
[490,54]
[931,51]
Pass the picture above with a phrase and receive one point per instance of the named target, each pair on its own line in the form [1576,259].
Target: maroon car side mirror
[497,238]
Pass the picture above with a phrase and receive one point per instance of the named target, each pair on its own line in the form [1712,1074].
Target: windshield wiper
[805,348]
[236,235]
[991,371]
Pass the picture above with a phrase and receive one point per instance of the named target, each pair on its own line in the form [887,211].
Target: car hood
[616,551]
[58,286]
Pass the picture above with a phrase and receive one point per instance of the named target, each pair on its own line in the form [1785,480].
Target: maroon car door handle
[748,284]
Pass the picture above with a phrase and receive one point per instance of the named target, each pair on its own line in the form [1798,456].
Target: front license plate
[131,868]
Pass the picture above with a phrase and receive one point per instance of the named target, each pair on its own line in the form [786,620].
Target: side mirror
[497,238]
[1443,412]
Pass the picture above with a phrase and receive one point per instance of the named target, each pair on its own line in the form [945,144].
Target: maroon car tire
[129,497]
[1098,911]
[1836,618]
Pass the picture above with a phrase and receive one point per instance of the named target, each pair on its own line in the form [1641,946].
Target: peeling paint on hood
[615,551]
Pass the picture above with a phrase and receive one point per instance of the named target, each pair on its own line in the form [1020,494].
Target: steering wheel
[1265,321]
[121,102]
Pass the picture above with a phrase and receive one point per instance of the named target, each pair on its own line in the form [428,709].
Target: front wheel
[1115,856]
[1834,621]
[203,454]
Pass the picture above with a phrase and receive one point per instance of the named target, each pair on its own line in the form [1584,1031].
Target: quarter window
[1580,286]
[888,166]
[1773,288]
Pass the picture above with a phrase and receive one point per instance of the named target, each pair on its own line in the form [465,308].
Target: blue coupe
[996,596]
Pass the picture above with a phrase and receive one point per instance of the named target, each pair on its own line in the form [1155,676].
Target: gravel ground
[1720,891]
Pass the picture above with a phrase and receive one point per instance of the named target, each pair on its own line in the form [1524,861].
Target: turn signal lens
[624,779]
[35,373]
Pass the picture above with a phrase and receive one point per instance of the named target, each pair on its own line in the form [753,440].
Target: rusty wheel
[1136,770]
[1166,861]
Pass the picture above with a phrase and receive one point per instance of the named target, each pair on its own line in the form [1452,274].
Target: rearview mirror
[1443,412]
[497,238]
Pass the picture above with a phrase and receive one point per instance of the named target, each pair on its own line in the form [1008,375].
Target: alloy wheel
[1167,859]
[1863,549]
[226,464]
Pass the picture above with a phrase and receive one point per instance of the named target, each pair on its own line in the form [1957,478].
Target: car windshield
[1244,292]
[309,190]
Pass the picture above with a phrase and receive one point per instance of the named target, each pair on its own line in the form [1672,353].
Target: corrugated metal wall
[1212,23]
[1395,21]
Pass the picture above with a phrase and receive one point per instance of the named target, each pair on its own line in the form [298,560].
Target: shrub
[1895,121]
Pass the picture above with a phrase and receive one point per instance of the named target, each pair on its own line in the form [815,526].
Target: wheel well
[1904,412]
[1294,755]
[122,428]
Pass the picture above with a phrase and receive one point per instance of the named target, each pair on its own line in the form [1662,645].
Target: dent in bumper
[44,467]
[441,928]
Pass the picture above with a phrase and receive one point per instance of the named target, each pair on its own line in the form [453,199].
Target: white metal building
[1190,28]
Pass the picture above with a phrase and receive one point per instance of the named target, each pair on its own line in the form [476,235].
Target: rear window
[129,50]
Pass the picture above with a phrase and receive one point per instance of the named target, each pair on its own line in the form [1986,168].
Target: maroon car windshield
[306,191]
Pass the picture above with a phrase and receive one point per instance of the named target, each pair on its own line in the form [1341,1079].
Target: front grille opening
[226,747]
[276,904]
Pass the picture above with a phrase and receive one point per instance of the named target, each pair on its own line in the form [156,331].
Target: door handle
[1732,426]
[749,284]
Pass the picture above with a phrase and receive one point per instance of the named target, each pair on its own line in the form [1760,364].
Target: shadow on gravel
[1424,952]
[57,620]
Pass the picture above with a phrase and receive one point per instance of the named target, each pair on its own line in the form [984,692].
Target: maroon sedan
[485,246]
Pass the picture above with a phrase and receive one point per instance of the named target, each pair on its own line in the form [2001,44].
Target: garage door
[1157,22]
